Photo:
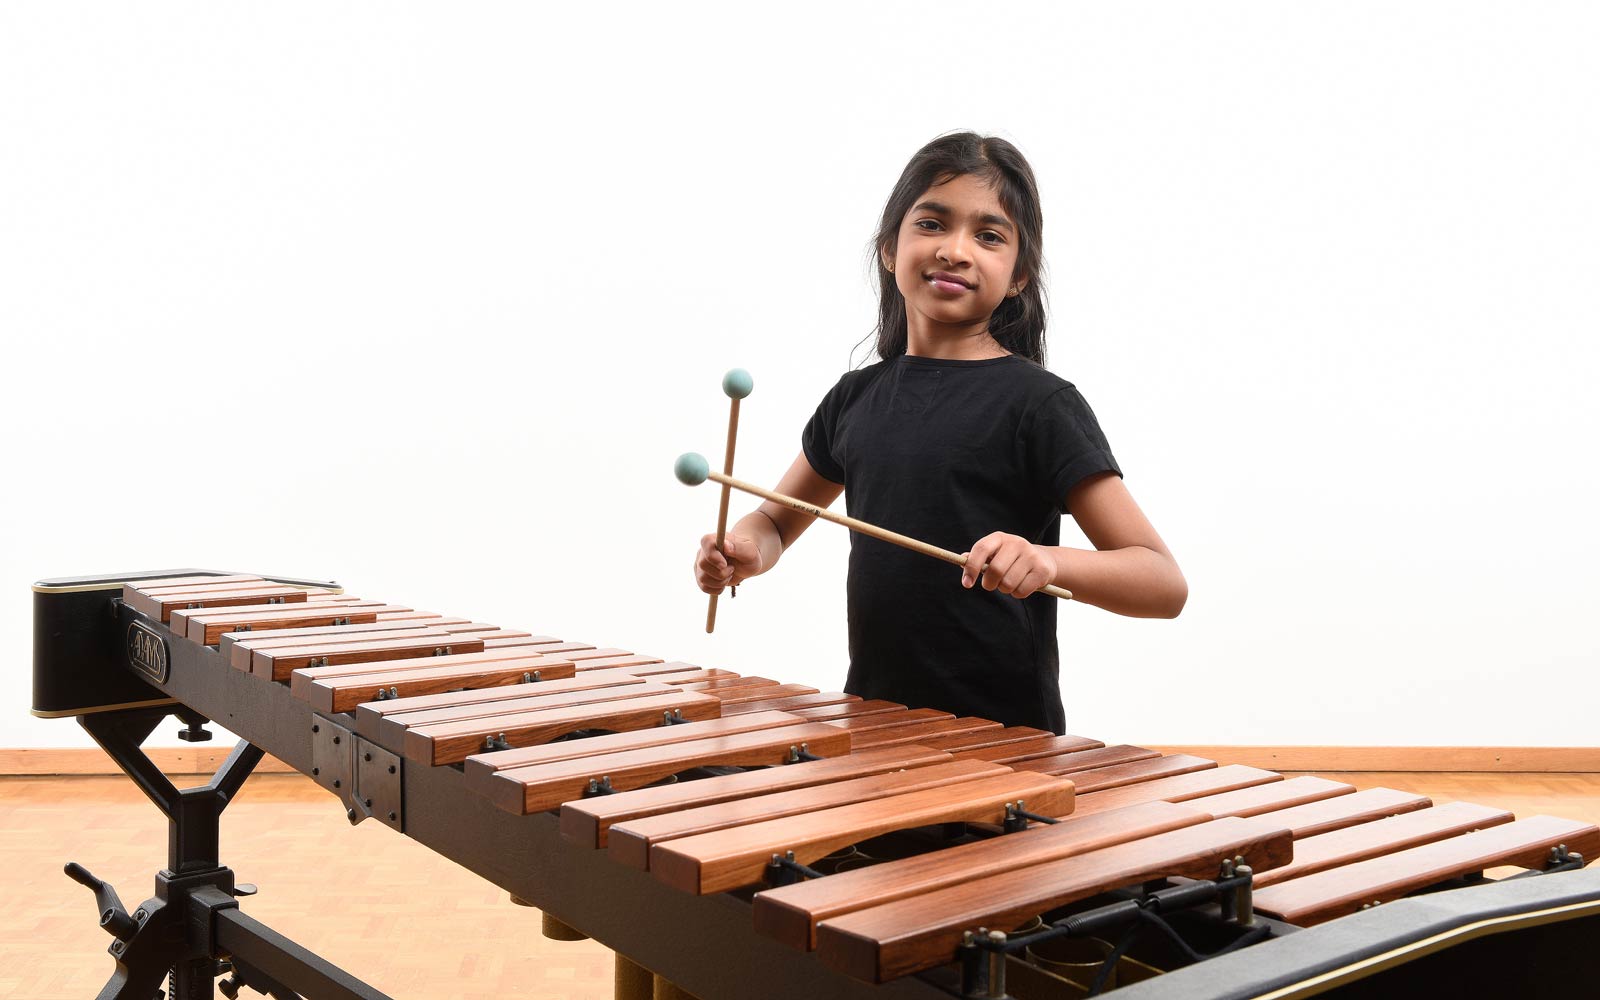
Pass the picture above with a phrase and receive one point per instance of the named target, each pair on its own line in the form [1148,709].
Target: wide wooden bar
[207,627]
[343,694]
[1118,775]
[1176,789]
[890,735]
[735,857]
[235,647]
[388,728]
[1384,836]
[161,608]
[300,680]
[1336,813]
[1044,746]
[280,662]
[1088,758]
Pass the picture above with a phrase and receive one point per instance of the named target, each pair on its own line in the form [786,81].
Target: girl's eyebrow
[937,209]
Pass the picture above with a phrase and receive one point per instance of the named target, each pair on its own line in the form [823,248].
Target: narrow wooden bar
[900,716]
[1179,788]
[539,696]
[909,935]
[821,699]
[1101,778]
[1274,797]
[632,840]
[843,710]
[1085,759]
[343,694]
[791,913]
[731,858]
[1044,746]
[1340,891]
[373,716]
[547,786]
[161,608]
[1336,813]
[481,767]
[239,655]
[917,731]
[985,738]
[588,822]
[207,628]
[279,663]
[741,695]
[300,680]
[1384,836]
[613,662]
[228,643]
[452,742]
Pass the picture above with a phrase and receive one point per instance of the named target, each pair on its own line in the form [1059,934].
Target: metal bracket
[379,784]
[333,756]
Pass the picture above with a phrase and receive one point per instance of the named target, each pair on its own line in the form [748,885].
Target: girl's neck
[952,343]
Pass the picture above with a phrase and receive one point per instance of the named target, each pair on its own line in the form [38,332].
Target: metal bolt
[336,782]
[391,768]
[367,758]
[368,802]
[336,741]
[316,771]
[392,816]
[316,728]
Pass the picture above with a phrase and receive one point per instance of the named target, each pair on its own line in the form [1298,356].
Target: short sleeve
[1065,445]
[818,438]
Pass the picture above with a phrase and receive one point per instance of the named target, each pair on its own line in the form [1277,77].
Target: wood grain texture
[740,696]
[899,716]
[160,608]
[1083,759]
[738,856]
[847,710]
[300,680]
[588,822]
[345,693]
[1384,836]
[1274,796]
[1134,772]
[546,786]
[909,935]
[790,914]
[631,840]
[453,742]
[207,628]
[235,647]
[890,735]
[821,699]
[1340,891]
[985,738]
[371,715]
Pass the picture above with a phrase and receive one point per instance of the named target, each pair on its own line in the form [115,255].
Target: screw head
[393,816]
[336,782]
[316,728]
[316,771]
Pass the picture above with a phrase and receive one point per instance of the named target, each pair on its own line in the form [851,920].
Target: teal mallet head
[737,383]
[691,468]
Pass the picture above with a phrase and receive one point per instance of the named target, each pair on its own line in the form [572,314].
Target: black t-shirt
[947,452]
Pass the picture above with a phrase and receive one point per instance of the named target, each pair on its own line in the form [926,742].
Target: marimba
[746,837]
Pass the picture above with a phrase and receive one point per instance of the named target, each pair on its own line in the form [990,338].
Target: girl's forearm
[1135,581]
[761,530]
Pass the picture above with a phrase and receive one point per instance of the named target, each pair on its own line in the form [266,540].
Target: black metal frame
[191,931]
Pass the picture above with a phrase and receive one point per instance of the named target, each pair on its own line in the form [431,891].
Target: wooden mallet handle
[737,384]
[693,470]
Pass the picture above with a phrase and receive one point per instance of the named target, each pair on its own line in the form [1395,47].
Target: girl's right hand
[714,571]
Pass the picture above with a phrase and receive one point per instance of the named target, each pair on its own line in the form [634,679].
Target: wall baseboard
[1328,758]
[93,760]
[205,760]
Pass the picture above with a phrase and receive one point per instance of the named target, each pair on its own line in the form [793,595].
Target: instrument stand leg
[191,931]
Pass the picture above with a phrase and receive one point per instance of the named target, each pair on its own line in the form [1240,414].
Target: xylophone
[746,837]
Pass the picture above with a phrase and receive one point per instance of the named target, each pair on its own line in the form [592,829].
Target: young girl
[960,437]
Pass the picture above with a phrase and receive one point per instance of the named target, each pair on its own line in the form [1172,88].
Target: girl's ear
[886,258]
[1017,286]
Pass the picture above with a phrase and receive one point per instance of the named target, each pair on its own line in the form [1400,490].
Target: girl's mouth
[954,287]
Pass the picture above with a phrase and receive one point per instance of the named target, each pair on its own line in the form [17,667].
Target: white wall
[427,298]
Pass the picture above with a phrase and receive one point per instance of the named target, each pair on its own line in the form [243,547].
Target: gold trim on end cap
[72,713]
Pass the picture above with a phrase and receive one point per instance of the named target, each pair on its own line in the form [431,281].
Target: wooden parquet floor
[388,910]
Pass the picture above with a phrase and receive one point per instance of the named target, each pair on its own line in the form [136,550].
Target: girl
[959,436]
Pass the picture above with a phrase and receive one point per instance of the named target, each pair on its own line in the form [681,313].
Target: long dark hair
[1018,322]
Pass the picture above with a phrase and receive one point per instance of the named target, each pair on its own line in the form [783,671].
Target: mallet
[737,384]
[692,469]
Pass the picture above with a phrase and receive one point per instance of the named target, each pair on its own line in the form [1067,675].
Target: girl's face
[956,254]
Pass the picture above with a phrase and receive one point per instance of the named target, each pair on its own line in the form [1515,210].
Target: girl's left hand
[1016,566]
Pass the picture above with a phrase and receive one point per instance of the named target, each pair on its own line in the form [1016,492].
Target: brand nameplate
[147,652]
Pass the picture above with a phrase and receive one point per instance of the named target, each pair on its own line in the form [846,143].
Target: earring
[890,267]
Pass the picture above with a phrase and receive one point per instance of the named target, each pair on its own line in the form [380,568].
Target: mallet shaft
[722,509]
[872,530]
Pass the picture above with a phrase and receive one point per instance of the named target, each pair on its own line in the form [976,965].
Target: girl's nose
[953,249]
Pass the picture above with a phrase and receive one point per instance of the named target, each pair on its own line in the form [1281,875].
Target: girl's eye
[931,225]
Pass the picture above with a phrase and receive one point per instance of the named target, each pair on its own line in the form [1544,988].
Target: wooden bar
[207,628]
[588,822]
[452,742]
[228,642]
[843,710]
[343,694]
[389,729]
[858,724]
[480,767]
[791,913]
[239,656]
[632,840]
[1273,797]
[612,662]
[161,608]
[723,683]
[690,674]
[279,663]
[170,582]
[1101,778]
[1179,788]
[910,734]
[383,721]
[985,738]
[1340,891]
[546,786]
[1336,813]
[822,699]
[738,856]
[1087,759]
[909,935]
[1044,746]
[741,695]
[1384,836]
[300,681]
